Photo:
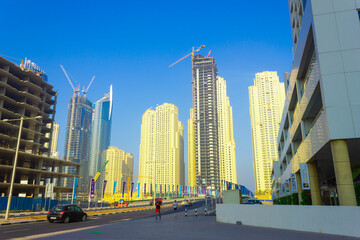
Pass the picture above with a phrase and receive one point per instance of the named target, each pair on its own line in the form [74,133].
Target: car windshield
[58,208]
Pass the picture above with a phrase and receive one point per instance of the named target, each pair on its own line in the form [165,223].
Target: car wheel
[51,221]
[84,218]
[67,220]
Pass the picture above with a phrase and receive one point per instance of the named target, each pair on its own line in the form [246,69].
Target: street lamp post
[15,160]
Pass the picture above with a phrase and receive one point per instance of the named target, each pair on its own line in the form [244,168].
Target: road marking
[16,230]
[55,233]
[122,220]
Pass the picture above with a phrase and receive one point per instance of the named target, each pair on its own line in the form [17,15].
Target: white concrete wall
[321,219]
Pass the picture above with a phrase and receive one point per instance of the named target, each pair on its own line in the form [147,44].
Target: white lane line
[16,230]
[54,233]
[122,220]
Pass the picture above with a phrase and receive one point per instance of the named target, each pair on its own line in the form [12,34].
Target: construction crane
[85,91]
[192,54]
[129,180]
[76,90]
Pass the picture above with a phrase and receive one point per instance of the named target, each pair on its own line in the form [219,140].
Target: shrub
[357,193]
[306,197]
[288,200]
[295,199]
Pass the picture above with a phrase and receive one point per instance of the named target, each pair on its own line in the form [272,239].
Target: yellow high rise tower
[191,151]
[161,148]
[119,163]
[266,100]
[227,156]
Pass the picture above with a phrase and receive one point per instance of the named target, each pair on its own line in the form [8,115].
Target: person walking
[157,210]
[175,206]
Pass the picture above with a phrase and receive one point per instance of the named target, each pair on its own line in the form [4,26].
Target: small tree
[295,199]
[306,197]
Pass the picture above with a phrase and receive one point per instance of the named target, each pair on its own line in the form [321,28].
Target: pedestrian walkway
[178,226]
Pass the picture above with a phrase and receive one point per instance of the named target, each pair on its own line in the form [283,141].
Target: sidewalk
[180,227]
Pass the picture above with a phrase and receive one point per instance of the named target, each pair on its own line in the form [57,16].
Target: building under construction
[77,145]
[205,122]
[24,92]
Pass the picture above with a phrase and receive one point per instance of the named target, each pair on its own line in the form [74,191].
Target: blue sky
[130,44]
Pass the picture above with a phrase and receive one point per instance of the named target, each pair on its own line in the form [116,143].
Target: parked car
[156,200]
[253,201]
[66,213]
[186,203]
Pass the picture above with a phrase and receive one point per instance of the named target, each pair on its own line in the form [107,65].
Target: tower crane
[191,53]
[85,91]
[76,90]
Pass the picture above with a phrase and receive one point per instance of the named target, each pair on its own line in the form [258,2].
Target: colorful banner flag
[169,190]
[155,189]
[160,189]
[165,189]
[138,190]
[180,190]
[177,189]
[92,191]
[144,189]
[151,190]
[104,186]
[97,176]
[74,187]
[123,189]
[115,183]
[132,188]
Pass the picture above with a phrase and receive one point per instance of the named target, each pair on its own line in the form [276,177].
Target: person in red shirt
[157,210]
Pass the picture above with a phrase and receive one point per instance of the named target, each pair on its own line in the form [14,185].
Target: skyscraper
[161,147]
[100,134]
[119,163]
[54,140]
[266,100]
[54,135]
[191,151]
[227,156]
[205,122]
[77,145]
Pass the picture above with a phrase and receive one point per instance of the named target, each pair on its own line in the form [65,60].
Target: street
[35,228]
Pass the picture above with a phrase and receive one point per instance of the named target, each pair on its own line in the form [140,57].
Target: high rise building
[100,135]
[320,126]
[266,100]
[25,93]
[191,151]
[77,145]
[227,156]
[161,147]
[54,139]
[205,122]
[119,163]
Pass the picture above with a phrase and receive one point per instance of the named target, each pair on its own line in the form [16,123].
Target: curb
[22,222]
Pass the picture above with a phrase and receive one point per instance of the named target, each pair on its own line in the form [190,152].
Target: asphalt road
[29,229]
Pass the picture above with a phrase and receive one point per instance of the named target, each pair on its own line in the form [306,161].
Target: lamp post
[15,160]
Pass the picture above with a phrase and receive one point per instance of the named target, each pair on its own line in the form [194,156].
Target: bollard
[185,212]
[205,211]
[196,211]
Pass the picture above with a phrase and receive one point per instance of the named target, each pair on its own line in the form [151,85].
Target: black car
[66,213]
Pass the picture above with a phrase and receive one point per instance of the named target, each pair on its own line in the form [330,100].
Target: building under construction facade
[77,145]
[205,122]
[25,94]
